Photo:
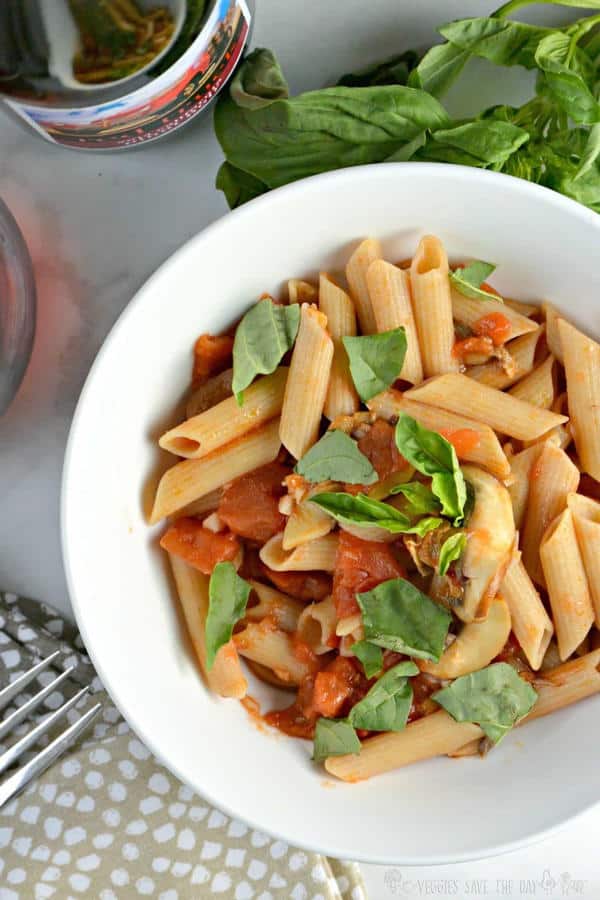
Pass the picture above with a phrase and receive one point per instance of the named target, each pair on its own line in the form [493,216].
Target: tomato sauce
[464,440]
[301,585]
[360,566]
[379,446]
[477,346]
[212,355]
[198,546]
[250,504]
[494,325]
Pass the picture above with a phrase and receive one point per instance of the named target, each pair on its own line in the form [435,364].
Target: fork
[18,779]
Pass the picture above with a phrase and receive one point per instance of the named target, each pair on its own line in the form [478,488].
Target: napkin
[108,821]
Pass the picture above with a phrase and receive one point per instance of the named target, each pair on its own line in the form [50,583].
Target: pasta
[341,399]
[433,307]
[306,386]
[395,560]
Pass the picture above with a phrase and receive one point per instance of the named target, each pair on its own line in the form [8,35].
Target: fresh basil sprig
[468,280]
[451,550]
[370,656]
[227,598]
[358,509]
[336,457]
[431,454]
[420,500]
[375,360]
[334,737]
[387,705]
[495,698]
[400,617]
[262,338]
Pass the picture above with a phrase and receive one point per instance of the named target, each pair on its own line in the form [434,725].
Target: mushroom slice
[476,645]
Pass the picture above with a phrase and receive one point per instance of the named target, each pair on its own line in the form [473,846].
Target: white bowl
[439,811]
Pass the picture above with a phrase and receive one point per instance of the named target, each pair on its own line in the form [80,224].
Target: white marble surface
[97,226]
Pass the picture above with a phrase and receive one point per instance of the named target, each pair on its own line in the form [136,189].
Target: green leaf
[451,550]
[334,737]
[370,656]
[495,698]
[433,455]
[238,186]
[323,130]
[565,79]
[439,69]
[502,42]
[394,70]
[262,338]
[375,360]
[408,150]
[227,598]
[397,615]
[259,81]
[357,509]
[482,142]
[387,704]
[336,457]
[420,499]
[591,152]
[467,280]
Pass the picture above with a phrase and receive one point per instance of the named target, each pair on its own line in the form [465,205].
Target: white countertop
[97,225]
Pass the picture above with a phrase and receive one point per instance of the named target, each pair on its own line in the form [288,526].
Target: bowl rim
[434,170]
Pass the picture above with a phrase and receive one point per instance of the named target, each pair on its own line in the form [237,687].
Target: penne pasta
[209,393]
[356,273]
[432,307]
[521,466]
[475,646]
[318,554]
[341,399]
[474,442]
[531,623]
[435,734]
[307,383]
[525,309]
[191,479]
[568,589]
[552,316]
[301,291]
[283,610]
[307,521]
[271,648]
[348,625]
[468,310]
[316,626]
[566,684]
[537,388]
[586,519]
[552,479]
[389,289]
[226,677]
[227,421]
[199,508]
[582,368]
[498,374]
[500,411]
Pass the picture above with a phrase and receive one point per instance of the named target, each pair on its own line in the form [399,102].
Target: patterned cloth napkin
[108,821]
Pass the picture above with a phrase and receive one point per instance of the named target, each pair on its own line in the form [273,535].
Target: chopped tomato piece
[494,325]
[479,346]
[379,446]
[212,355]
[297,720]
[198,546]
[301,585]
[360,566]
[250,504]
[338,687]
[485,286]
[464,440]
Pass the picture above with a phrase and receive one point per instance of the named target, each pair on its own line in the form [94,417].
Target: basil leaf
[370,656]
[336,457]
[433,455]
[387,704]
[495,698]
[334,737]
[238,186]
[420,499]
[408,150]
[397,615]
[323,130]
[591,152]
[262,338]
[482,142]
[467,280]
[259,81]
[439,69]
[375,360]
[451,550]
[391,71]
[357,509]
[566,80]
[227,598]
[502,42]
